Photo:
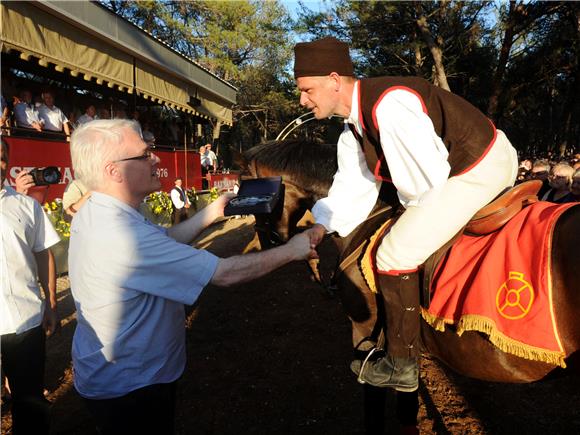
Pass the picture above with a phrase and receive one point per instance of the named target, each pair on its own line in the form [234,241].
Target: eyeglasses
[146,156]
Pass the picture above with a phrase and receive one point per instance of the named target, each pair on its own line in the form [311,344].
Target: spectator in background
[25,113]
[75,195]
[89,115]
[52,117]
[149,138]
[575,186]
[524,170]
[180,202]
[575,162]
[120,113]
[26,318]
[209,159]
[4,113]
[560,179]
[136,115]
[541,171]
[104,113]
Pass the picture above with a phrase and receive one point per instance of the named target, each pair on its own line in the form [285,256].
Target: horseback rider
[443,156]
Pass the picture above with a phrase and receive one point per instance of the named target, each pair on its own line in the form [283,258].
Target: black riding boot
[399,368]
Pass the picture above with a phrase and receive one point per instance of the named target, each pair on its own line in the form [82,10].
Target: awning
[112,51]
[163,88]
[36,33]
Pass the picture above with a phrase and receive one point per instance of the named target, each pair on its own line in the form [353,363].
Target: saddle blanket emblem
[499,284]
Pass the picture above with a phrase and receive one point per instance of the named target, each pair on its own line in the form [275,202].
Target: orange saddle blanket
[499,284]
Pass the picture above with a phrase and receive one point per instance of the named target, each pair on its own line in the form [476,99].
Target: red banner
[223,181]
[30,153]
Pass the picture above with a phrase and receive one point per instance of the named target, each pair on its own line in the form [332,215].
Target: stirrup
[359,378]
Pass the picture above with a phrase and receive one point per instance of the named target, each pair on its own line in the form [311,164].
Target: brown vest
[466,132]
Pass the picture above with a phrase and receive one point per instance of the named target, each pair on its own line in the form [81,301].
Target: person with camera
[130,280]
[26,319]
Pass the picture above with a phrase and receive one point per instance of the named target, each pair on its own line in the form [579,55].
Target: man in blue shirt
[130,279]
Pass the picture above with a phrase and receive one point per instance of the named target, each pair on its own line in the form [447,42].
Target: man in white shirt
[52,117]
[88,116]
[209,159]
[443,157]
[180,202]
[25,113]
[25,317]
[130,280]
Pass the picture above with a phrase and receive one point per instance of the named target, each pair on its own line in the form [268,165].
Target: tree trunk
[436,52]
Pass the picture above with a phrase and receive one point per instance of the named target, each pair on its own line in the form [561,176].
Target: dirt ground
[272,356]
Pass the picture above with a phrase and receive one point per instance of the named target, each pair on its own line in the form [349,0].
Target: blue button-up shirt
[129,281]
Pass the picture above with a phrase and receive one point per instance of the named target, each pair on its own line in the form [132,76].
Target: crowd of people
[50,114]
[560,180]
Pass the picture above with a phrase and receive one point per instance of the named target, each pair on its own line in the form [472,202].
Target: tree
[244,42]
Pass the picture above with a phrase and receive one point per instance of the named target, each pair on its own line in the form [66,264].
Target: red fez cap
[322,57]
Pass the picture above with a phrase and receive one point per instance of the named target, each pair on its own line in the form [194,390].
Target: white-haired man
[130,279]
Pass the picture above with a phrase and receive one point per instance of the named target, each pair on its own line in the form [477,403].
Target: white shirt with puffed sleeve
[416,157]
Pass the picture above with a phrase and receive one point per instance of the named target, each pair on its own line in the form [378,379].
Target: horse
[307,169]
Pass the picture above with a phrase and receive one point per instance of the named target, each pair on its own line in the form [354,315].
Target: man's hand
[316,234]
[302,247]
[37,126]
[24,181]
[50,320]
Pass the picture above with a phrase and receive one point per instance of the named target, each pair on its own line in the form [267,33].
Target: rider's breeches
[423,229]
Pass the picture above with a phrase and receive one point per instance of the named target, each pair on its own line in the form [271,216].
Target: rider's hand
[316,234]
[302,247]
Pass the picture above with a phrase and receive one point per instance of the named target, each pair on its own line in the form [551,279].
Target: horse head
[306,168]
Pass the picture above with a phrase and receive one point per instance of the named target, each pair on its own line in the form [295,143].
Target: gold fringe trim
[366,264]
[473,322]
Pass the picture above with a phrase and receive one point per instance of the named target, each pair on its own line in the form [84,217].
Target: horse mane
[310,164]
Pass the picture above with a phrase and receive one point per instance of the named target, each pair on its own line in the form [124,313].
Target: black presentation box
[256,196]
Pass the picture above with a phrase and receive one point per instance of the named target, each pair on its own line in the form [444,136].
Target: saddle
[498,212]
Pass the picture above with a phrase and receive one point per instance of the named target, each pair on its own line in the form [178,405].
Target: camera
[45,176]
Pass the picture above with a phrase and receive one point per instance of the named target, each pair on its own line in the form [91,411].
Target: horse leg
[407,411]
[374,403]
